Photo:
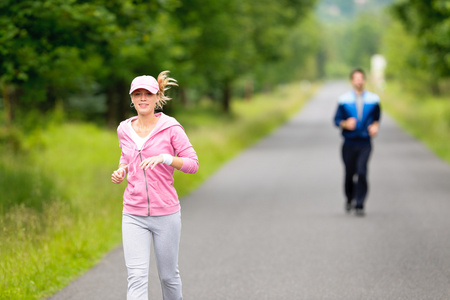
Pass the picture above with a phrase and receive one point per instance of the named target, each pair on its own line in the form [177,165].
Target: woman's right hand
[118,176]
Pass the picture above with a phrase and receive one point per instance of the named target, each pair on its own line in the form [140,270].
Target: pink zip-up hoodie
[151,192]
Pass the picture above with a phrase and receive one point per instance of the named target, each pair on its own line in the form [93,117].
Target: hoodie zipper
[146,186]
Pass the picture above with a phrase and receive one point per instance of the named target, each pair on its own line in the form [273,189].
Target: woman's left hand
[151,162]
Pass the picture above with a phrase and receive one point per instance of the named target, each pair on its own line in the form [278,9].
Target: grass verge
[425,117]
[61,213]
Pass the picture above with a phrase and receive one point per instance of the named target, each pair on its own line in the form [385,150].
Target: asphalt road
[270,224]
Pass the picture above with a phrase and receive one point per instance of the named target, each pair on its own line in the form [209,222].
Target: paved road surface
[271,223]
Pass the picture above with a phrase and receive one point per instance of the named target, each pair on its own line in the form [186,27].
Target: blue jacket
[347,109]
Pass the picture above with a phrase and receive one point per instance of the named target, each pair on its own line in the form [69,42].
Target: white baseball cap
[145,82]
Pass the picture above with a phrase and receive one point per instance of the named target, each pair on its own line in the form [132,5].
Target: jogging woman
[152,145]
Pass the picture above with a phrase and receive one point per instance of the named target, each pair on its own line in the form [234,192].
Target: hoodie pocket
[138,194]
[166,195]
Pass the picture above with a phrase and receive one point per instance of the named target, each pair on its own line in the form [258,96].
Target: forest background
[65,70]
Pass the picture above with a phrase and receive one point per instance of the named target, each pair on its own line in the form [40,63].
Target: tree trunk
[123,102]
[50,99]
[435,89]
[111,103]
[7,104]
[248,90]
[183,96]
[226,97]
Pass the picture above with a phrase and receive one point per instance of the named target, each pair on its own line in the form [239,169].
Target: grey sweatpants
[137,234]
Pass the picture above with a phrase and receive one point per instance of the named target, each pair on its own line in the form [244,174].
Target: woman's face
[144,101]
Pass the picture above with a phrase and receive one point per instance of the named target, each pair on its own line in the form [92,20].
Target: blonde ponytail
[164,82]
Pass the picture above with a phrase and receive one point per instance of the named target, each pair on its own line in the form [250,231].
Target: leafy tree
[299,56]
[363,41]
[37,38]
[237,38]
[352,43]
[144,43]
[405,62]
[53,49]
[213,54]
[430,22]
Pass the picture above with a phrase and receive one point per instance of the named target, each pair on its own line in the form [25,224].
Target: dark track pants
[355,159]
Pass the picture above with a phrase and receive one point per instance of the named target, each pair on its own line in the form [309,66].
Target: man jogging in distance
[358,114]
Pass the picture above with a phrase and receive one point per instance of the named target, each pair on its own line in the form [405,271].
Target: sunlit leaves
[430,22]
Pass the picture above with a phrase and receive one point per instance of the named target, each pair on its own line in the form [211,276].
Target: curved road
[270,224]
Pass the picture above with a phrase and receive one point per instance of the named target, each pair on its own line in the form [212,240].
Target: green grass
[425,117]
[59,211]
[66,213]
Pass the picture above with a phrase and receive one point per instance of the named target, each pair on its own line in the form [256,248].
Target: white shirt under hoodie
[137,139]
